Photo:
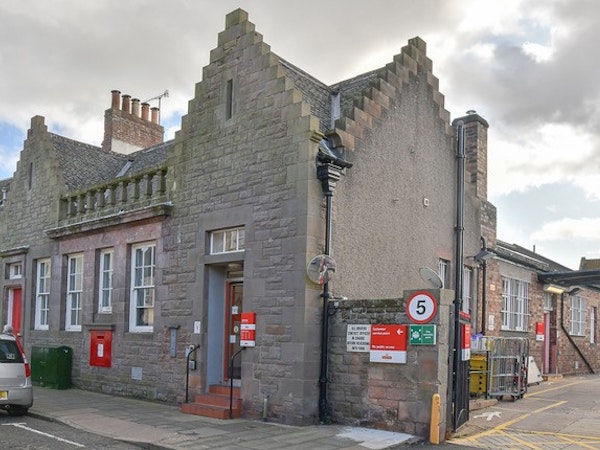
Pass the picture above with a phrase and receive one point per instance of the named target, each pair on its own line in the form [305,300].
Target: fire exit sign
[422,335]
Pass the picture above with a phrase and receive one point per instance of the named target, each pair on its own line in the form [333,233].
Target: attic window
[229,100]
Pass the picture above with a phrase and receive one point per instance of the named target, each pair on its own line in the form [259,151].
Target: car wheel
[17,410]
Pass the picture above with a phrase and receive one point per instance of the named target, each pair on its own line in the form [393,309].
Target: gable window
[229,100]
[42,294]
[141,317]
[74,292]
[577,315]
[106,283]
[227,241]
[515,304]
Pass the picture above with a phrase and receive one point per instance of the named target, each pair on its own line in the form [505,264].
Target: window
[42,294]
[548,301]
[467,304]
[229,100]
[515,304]
[577,315]
[227,241]
[15,271]
[74,292]
[593,325]
[105,285]
[444,272]
[141,317]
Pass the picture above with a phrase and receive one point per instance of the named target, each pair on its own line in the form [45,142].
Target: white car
[16,391]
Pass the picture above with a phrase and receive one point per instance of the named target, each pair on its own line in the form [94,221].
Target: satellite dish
[429,276]
[320,269]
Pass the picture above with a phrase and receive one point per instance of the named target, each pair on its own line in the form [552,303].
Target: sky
[529,67]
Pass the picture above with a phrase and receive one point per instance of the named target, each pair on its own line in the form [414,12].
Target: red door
[233,319]
[15,310]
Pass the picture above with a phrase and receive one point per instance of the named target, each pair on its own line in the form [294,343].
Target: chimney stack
[125,131]
[145,111]
[126,103]
[116,99]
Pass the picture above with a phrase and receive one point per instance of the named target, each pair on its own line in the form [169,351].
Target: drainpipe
[571,340]
[460,187]
[329,169]
[483,288]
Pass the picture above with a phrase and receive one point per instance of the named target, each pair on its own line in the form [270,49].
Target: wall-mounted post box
[100,348]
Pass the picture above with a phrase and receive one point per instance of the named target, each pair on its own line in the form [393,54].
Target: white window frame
[444,272]
[105,284]
[467,303]
[142,296]
[42,294]
[515,304]
[228,240]
[548,301]
[577,315]
[74,299]
[15,271]
[592,325]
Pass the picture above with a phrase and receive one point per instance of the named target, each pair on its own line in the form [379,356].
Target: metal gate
[508,359]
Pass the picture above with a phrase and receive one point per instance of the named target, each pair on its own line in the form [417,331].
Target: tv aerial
[429,276]
[320,269]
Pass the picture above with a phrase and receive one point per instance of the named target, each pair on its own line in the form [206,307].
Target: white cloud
[587,229]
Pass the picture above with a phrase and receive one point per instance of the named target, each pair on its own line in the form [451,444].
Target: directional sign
[489,415]
[421,307]
[388,343]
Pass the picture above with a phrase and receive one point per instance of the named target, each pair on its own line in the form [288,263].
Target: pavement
[156,426]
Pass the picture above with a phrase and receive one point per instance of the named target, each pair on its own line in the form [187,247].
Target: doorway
[225,303]
[233,314]
[14,310]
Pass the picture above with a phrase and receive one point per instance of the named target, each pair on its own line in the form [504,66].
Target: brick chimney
[476,173]
[124,130]
[475,128]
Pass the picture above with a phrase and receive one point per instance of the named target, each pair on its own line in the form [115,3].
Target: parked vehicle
[16,391]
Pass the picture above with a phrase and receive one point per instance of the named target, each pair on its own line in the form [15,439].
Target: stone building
[142,255]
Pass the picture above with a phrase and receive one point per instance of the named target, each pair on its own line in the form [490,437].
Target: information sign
[422,335]
[388,343]
[358,338]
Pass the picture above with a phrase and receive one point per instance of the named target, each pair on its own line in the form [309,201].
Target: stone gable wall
[395,397]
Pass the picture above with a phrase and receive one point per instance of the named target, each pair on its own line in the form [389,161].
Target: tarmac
[157,425]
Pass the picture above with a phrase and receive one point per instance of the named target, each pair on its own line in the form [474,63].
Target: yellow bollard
[434,426]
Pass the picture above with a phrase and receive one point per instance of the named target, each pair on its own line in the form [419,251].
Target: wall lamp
[554,289]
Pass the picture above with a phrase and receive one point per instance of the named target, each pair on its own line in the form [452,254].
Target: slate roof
[84,165]
[315,93]
[528,258]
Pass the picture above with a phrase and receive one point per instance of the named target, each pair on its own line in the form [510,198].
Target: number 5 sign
[421,307]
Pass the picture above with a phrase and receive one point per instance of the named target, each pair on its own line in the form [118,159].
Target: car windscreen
[9,352]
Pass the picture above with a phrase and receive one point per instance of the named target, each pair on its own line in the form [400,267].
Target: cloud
[586,228]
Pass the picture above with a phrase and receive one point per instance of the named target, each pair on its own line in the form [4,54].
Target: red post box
[100,348]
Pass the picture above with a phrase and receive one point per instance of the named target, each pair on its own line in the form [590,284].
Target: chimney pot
[145,111]
[116,99]
[154,110]
[135,107]
[126,103]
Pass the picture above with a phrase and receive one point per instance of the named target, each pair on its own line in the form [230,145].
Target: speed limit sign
[421,307]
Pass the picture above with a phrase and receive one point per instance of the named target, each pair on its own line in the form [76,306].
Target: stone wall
[395,397]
